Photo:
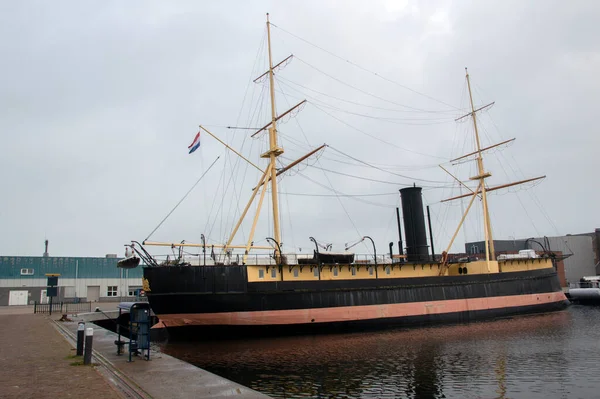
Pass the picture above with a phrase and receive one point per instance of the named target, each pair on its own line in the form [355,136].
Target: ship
[281,291]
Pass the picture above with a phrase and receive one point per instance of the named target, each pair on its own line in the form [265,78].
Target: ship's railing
[220,259]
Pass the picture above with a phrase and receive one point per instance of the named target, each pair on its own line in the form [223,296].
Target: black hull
[217,290]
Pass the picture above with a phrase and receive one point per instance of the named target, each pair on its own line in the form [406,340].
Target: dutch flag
[195,144]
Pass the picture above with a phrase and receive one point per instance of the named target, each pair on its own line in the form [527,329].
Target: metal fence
[123,298]
[62,307]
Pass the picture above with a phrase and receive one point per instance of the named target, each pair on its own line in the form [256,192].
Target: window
[261,273]
[335,271]
[273,272]
[353,271]
[371,271]
[295,273]
[132,291]
[387,270]
[316,272]
[26,272]
[111,290]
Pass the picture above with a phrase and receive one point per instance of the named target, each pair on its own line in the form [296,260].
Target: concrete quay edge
[163,376]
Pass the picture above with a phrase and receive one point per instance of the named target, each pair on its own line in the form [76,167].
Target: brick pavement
[34,363]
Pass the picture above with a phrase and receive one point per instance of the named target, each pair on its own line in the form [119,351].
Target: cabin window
[261,273]
[26,272]
[387,270]
[295,273]
[316,272]
[111,290]
[335,271]
[273,273]
[370,271]
[353,271]
[131,291]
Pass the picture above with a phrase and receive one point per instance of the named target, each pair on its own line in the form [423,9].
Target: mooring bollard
[89,337]
[80,333]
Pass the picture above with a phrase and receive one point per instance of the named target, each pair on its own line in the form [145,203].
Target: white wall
[80,286]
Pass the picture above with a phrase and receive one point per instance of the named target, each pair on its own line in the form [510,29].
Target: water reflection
[532,356]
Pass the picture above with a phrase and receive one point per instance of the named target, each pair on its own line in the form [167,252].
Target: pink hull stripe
[354,313]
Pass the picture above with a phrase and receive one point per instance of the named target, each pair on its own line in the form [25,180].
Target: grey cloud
[99,103]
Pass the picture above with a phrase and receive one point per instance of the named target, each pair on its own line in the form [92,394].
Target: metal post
[430,235]
[80,334]
[203,247]
[89,338]
[400,250]
[50,305]
[76,276]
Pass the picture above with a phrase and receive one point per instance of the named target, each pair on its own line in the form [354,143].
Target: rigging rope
[339,195]
[363,91]
[373,136]
[287,81]
[184,197]
[387,171]
[396,121]
[364,69]
[252,112]
[406,168]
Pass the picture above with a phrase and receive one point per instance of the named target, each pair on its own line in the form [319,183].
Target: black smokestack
[414,224]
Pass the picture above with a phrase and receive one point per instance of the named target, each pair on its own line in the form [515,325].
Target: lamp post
[374,251]
[278,261]
[278,247]
[315,241]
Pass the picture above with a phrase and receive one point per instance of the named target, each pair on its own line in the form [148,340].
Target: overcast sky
[99,101]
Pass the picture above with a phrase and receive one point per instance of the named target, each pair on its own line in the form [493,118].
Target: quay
[39,352]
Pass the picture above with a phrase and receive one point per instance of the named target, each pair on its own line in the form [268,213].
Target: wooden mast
[481,190]
[269,175]
[274,150]
[489,242]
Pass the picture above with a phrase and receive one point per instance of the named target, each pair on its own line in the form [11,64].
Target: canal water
[554,355]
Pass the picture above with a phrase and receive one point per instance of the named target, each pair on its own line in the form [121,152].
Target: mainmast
[481,190]
[268,175]
[274,150]
[489,243]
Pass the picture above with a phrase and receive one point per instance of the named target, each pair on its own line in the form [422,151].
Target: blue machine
[139,328]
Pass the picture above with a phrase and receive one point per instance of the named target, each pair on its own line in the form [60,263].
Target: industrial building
[23,279]
[582,251]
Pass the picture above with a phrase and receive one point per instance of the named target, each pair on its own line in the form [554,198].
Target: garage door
[17,298]
[93,293]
